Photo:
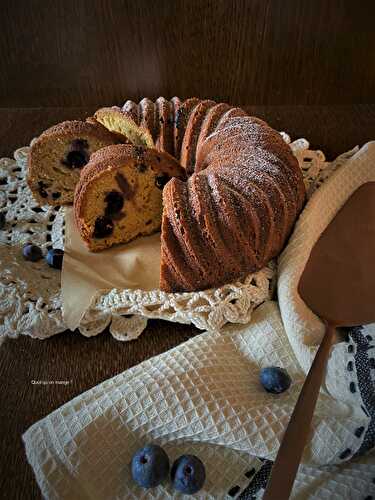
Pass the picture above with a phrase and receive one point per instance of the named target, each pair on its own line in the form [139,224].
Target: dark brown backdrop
[96,52]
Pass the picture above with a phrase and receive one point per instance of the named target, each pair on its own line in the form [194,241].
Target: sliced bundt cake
[119,195]
[57,157]
[237,208]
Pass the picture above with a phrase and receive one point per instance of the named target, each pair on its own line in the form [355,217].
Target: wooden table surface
[86,362]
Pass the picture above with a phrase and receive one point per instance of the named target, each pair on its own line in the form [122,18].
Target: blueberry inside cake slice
[119,195]
[57,157]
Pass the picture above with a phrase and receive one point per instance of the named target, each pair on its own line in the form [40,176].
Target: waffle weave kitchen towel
[204,396]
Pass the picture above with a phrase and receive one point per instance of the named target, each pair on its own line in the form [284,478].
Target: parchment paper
[135,265]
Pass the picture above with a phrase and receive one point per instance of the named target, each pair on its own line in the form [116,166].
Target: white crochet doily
[30,300]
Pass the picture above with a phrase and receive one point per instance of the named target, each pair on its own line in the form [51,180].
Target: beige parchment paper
[134,266]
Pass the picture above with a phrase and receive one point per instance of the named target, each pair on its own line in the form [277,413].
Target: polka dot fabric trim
[364,340]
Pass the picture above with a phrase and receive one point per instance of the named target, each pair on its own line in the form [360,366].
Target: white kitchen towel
[204,396]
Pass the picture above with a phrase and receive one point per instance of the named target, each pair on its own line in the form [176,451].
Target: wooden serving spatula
[338,284]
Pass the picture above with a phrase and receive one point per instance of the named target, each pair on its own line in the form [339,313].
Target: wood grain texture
[91,52]
[86,362]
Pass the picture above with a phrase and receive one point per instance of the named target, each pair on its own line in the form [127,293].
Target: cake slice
[119,195]
[124,123]
[57,157]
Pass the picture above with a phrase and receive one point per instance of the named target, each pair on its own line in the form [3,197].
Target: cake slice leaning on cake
[119,195]
[127,123]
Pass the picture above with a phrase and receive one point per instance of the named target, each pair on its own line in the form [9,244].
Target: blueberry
[76,159]
[141,167]
[43,193]
[2,220]
[188,474]
[150,466]
[78,155]
[103,227]
[55,258]
[56,195]
[275,379]
[32,252]
[115,202]
[42,189]
[161,180]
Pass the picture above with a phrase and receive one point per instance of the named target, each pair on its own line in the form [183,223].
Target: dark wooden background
[96,52]
[306,66]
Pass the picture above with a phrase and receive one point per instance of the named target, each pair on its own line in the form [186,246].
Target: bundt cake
[57,157]
[119,195]
[233,213]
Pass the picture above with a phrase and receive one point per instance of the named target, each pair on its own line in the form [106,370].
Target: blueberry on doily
[55,258]
[150,466]
[32,253]
[188,474]
[275,379]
